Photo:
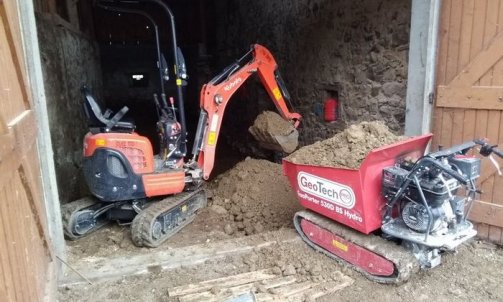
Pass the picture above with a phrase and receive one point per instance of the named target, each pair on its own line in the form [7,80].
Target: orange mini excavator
[160,194]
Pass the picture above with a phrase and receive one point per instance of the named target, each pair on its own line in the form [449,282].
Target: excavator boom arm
[217,93]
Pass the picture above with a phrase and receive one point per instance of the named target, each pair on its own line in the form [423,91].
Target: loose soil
[273,123]
[347,149]
[252,197]
[470,275]
[274,132]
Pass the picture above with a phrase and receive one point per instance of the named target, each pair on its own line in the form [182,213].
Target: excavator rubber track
[378,259]
[164,218]
[69,213]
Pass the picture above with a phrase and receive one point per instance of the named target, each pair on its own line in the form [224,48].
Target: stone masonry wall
[69,60]
[356,49]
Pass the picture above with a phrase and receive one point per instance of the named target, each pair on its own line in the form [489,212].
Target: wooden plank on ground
[324,289]
[103,268]
[221,282]
[278,282]
[292,289]
[218,295]
[277,289]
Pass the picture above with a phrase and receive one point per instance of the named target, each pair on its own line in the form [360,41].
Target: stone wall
[356,49]
[70,59]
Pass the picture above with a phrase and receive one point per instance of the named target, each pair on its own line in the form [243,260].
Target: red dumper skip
[395,214]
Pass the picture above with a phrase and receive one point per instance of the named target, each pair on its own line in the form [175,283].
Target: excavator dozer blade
[274,133]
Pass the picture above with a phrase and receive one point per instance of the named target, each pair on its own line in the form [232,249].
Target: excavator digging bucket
[274,133]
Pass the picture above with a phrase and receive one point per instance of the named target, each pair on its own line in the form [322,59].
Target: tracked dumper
[397,213]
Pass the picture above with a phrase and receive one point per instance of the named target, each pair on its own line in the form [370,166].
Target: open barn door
[469,101]
[26,258]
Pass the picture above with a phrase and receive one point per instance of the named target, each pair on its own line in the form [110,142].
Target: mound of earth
[253,197]
[347,149]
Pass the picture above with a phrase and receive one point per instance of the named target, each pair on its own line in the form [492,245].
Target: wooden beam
[488,213]
[52,6]
[280,288]
[480,64]
[73,14]
[3,125]
[478,97]
[57,20]
[229,281]
[16,52]
[16,143]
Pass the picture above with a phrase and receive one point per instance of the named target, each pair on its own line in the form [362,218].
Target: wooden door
[469,101]
[25,254]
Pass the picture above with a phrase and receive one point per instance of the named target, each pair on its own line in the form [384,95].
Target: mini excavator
[160,194]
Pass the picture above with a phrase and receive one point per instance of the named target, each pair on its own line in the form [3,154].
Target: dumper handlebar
[485,149]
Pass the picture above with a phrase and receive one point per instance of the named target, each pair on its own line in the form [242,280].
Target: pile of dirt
[273,123]
[253,197]
[346,149]
[294,259]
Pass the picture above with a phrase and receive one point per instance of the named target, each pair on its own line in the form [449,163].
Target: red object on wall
[351,196]
[330,110]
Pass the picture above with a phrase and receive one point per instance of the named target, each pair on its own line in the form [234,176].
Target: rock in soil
[289,270]
[228,229]
[347,149]
[218,209]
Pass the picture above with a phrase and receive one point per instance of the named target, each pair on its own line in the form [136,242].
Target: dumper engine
[428,201]
[444,209]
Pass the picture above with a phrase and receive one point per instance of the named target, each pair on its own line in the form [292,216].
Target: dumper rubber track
[69,213]
[404,262]
[164,218]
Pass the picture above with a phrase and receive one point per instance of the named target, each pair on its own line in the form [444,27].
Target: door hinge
[431,97]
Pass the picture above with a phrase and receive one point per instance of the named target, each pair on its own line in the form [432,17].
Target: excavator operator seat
[99,121]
